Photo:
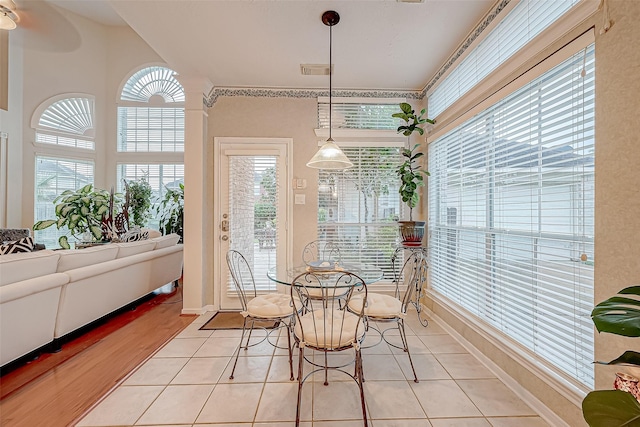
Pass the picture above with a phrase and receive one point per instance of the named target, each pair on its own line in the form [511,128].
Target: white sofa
[45,295]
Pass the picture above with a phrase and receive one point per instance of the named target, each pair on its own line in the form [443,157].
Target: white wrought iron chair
[273,306]
[383,308]
[324,326]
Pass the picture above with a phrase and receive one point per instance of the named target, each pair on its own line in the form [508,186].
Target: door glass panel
[253,222]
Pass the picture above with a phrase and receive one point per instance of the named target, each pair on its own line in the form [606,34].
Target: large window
[64,136]
[151,112]
[151,121]
[53,176]
[159,176]
[358,207]
[527,20]
[511,215]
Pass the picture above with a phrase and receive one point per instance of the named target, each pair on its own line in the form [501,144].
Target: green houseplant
[410,172]
[619,315]
[171,211]
[138,193]
[80,211]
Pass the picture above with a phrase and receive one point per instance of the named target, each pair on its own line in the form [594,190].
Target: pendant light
[330,156]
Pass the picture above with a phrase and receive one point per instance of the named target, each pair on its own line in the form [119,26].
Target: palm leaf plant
[619,315]
[80,211]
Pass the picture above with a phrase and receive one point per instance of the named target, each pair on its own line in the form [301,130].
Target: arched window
[151,120]
[64,135]
[66,122]
[151,112]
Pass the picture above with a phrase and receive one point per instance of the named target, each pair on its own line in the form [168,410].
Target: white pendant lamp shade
[329,156]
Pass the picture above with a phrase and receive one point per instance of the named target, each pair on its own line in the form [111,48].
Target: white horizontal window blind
[358,116]
[358,207]
[511,215]
[151,129]
[527,19]
[53,176]
[159,176]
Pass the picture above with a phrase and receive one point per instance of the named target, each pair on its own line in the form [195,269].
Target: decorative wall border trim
[476,33]
[215,93]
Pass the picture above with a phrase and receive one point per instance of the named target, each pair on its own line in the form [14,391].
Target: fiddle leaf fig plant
[619,315]
[410,173]
[80,211]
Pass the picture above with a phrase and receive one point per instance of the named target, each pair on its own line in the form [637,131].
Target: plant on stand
[81,212]
[411,173]
[171,211]
[619,315]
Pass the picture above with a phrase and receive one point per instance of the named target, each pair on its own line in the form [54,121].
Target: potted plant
[619,315]
[138,193]
[411,173]
[171,211]
[81,211]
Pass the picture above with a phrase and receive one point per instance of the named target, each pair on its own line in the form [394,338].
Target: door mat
[234,320]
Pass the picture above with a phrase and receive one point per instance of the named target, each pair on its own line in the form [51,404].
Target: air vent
[314,69]
[410,1]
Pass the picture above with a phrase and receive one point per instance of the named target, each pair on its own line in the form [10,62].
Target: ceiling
[377,45]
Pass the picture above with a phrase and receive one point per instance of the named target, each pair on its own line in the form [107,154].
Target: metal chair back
[321,251]
[242,277]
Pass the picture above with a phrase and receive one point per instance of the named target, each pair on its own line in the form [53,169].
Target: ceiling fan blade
[45,28]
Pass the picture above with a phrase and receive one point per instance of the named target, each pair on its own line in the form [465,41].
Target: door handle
[224,225]
[225,237]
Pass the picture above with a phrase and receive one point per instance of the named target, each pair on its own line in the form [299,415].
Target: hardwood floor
[57,389]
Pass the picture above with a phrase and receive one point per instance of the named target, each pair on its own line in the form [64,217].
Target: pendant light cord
[330,75]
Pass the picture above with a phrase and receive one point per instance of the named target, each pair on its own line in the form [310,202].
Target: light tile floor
[186,383]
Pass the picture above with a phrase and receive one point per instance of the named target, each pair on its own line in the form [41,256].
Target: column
[195,127]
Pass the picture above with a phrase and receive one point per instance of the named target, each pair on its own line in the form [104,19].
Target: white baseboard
[198,311]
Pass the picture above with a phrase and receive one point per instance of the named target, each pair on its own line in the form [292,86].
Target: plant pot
[411,232]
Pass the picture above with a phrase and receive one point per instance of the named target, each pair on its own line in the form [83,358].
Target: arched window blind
[511,216]
[527,19]
[67,122]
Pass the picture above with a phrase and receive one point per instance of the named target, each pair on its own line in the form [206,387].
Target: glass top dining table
[367,272]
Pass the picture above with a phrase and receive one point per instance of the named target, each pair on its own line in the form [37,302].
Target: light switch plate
[300,199]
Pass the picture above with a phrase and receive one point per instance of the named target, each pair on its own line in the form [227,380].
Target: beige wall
[294,118]
[11,122]
[617,178]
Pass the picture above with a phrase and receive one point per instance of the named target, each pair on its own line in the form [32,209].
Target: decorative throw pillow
[134,235]
[23,245]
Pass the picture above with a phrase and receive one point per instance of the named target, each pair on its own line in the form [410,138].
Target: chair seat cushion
[270,306]
[330,329]
[378,305]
